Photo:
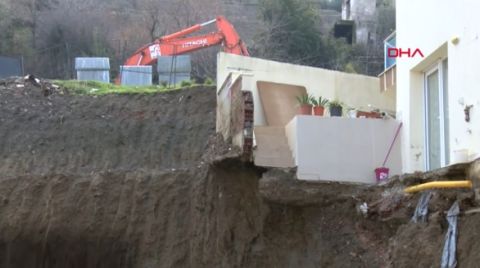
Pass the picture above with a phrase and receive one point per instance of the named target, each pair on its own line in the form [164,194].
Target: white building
[321,147]
[438,92]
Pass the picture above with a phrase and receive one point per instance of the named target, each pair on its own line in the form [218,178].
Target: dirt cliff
[141,180]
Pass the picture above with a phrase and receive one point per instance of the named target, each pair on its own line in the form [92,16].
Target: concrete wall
[430,25]
[363,13]
[342,149]
[354,90]
[235,114]
[279,102]
[291,133]
[224,105]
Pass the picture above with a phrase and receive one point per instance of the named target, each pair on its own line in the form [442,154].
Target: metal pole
[23,67]
[68,69]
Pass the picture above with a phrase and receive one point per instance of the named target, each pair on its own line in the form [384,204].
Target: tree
[28,14]
[291,33]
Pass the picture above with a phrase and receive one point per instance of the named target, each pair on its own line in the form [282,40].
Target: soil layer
[142,181]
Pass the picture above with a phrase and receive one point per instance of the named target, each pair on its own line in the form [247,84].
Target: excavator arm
[178,43]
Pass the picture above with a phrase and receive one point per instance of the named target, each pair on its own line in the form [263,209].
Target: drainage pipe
[438,184]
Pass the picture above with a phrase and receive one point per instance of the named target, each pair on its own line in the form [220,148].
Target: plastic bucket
[381,173]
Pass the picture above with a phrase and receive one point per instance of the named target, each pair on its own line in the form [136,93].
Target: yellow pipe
[438,184]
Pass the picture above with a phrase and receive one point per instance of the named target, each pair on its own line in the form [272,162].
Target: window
[390,42]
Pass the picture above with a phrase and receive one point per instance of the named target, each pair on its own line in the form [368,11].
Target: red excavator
[178,43]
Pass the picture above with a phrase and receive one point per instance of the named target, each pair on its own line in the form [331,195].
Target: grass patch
[99,88]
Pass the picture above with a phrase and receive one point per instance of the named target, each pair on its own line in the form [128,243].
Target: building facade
[438,96]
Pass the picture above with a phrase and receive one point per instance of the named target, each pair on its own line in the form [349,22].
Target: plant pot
[318,110]
[352,114]
[369,114]
[336,111]
[305,110]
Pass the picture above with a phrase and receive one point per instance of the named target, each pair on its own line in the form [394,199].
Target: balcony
[342,149]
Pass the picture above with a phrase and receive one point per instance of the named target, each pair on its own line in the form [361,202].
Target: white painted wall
[342,149]
[354,90]
[291,133]
[430,25]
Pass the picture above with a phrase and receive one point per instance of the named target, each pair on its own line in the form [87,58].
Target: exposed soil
[61,132]
[142,181]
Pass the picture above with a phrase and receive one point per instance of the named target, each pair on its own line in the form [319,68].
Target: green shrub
[186,83]
[209,81]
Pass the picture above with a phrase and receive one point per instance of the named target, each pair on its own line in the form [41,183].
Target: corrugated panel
[10,67]
[174,78]
[90,63]
[175,64]
[94,75]
[136,75]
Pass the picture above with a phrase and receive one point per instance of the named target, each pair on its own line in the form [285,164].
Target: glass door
[435,117]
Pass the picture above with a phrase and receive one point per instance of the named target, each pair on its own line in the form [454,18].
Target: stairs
[272,147]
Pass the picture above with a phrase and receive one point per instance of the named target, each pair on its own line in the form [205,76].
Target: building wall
[363,12]
[358,91]
[235,115]
[342,149]
[430,25]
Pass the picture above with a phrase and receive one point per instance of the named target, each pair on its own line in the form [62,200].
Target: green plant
[209,81]
[304,99]
[163,83]
[98,88]
[186,83]
[320,102]
[335,103]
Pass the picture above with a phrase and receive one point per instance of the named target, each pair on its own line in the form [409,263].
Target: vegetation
[186,83]
[304,99]
[99,88]
[209,81]
[320,102]
[291,34]
[49,34]
[335,103]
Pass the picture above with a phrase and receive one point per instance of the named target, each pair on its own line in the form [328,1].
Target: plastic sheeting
[449,249]
[421,211]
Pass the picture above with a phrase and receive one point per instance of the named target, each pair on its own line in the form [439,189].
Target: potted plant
[373,114]
[335,107]
[352,112]
[319,105]
[305,104]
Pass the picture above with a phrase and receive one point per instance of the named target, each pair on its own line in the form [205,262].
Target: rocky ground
[141,180]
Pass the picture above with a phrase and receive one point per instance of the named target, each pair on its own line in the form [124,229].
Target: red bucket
[381,173]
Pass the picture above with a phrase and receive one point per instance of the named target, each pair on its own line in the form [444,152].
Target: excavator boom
[177,43]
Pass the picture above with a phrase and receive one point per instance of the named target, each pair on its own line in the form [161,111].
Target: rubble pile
[30,84]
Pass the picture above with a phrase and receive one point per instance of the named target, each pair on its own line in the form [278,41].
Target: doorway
[436,116]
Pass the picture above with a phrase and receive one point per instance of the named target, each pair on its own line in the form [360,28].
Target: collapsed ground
[141,180]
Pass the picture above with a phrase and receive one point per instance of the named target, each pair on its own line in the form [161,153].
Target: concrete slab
[279,101]
[272,148]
